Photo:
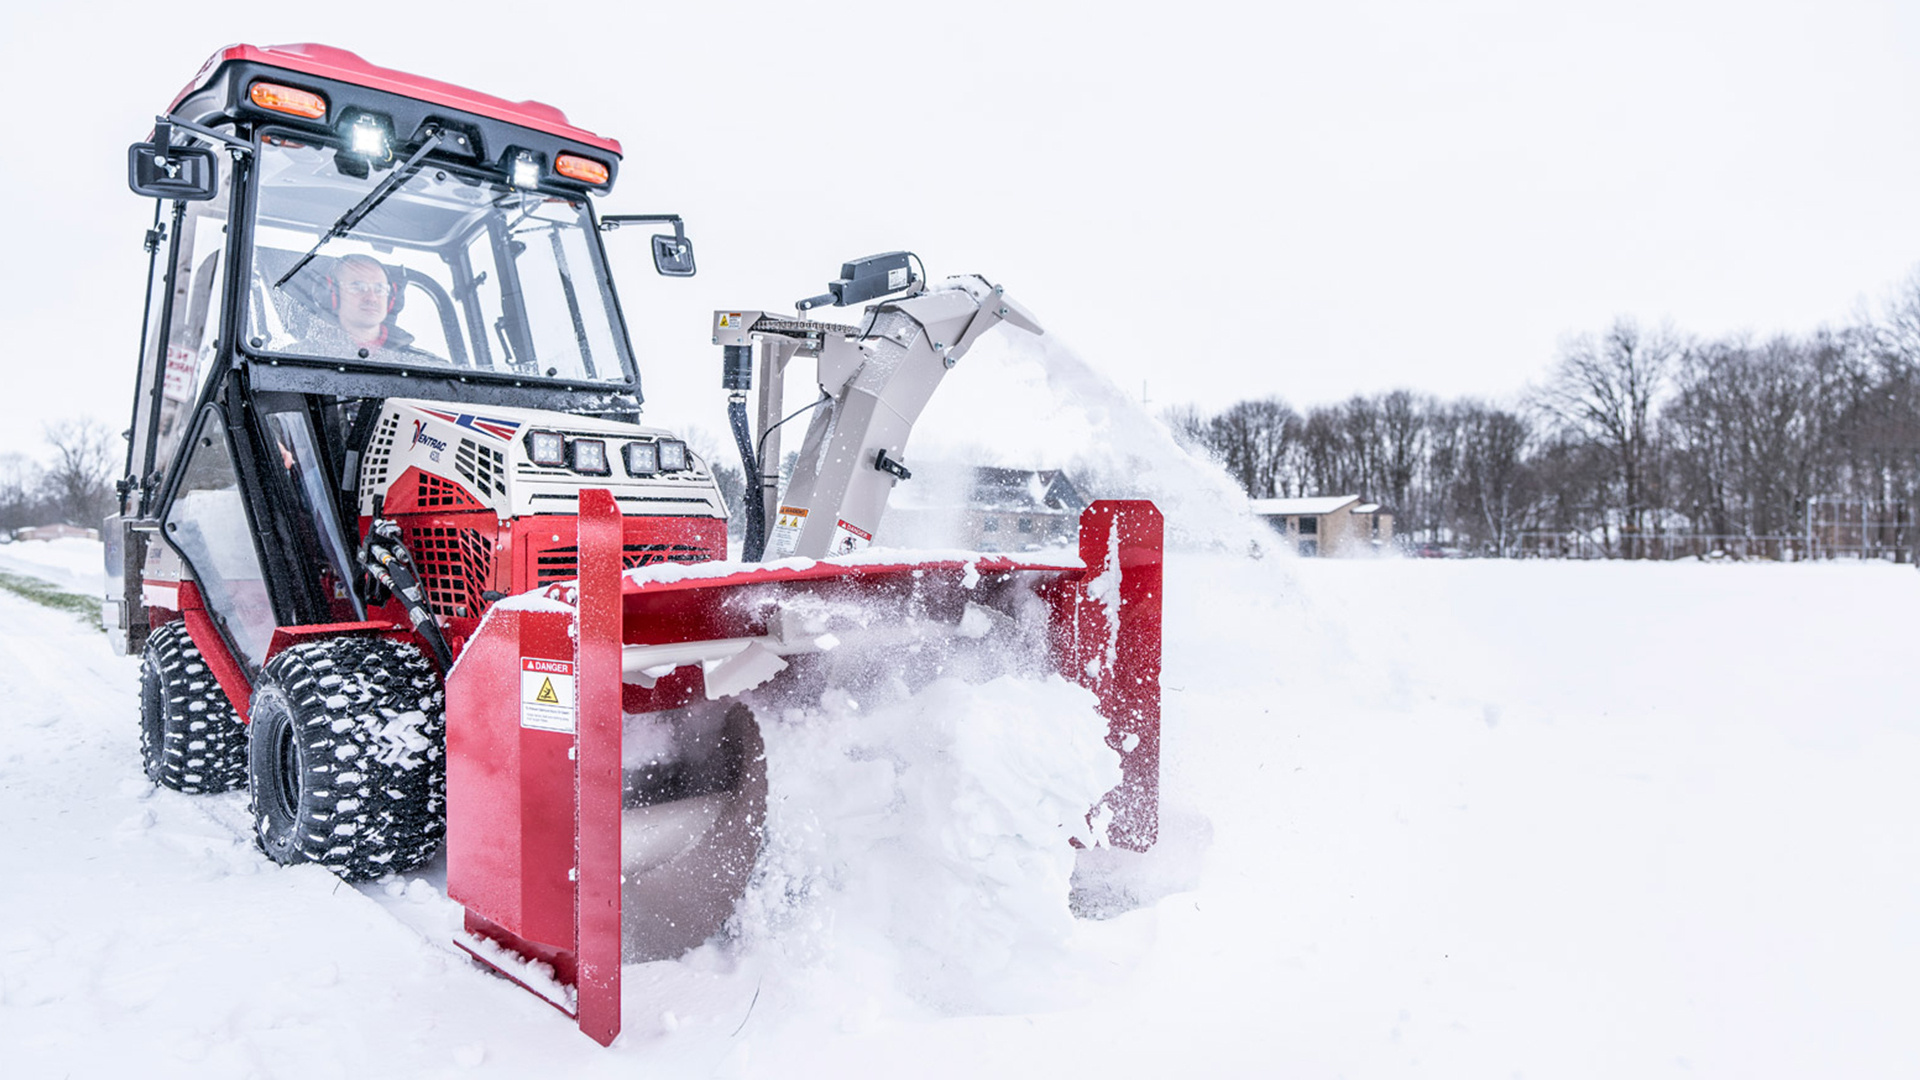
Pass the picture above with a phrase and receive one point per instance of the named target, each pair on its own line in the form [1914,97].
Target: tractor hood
[431,457]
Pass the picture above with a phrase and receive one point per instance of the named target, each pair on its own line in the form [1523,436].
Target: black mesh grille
[373,470]
[484,468]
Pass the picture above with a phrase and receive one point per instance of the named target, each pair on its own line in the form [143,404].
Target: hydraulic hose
[755,543]
[386,558]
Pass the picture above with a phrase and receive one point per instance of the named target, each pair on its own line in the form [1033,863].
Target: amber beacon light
[285,99]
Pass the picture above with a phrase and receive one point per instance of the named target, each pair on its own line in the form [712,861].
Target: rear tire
[347,761]
[190,738]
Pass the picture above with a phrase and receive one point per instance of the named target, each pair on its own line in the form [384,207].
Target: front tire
[190,738]
[346,762]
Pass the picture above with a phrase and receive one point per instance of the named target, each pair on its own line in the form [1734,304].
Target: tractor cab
[372,296]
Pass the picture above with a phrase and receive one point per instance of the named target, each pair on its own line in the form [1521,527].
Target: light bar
[673,455]
[547,448]
[585,170]
[642,459]
[590,456]
[286,99]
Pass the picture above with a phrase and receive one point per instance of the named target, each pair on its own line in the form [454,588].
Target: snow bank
[74,564]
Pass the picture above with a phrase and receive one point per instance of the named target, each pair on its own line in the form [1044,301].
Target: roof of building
[1310,505]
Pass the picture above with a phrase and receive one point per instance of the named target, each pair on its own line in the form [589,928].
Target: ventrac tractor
[403,560]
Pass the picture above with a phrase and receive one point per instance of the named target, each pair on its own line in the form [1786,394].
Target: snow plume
[919,835]
[1028,402]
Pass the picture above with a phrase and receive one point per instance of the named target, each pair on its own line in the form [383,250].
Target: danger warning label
[848,537]
[546,694]
[786,530]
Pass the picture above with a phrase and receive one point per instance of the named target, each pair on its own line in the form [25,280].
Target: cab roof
[327,62]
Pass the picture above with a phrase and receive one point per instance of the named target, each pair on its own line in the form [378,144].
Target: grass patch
[46,594]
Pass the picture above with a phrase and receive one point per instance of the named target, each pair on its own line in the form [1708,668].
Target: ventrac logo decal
[421,438]
[499,429]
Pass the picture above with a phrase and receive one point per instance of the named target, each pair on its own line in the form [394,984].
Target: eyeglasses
[367,288]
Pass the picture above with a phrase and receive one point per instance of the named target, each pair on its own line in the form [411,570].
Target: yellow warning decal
[546,694]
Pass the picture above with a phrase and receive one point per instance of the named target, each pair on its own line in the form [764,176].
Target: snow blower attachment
[401,560]
[608,724]
[577,839]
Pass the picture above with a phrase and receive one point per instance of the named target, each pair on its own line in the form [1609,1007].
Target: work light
[673,455]
[367,138]
[590,456]
[526,170]
[547,448]
[642,459]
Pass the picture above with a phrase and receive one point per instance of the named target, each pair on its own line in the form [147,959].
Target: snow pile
[74,564]
[923,842]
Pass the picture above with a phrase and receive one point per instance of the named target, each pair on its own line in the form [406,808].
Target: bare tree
[78,481]
[1603,389]
[20,484]
[1403,437]
[1498,490]
[1252,439]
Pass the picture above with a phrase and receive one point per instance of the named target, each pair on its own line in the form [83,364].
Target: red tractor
[402,560]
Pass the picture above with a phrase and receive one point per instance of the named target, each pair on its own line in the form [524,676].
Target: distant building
[55,532]
[1327,524]
[982,508]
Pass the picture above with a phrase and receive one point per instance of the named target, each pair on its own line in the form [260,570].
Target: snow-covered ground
[73,564]
[1474,819]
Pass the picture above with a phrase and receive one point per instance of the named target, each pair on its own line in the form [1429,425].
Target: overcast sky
[1208,201]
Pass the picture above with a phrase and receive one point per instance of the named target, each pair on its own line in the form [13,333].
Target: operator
[362,297]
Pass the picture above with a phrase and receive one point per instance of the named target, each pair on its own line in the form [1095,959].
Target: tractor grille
[440,494]
[454,565]
[484,468]
[563,563]
[373,470]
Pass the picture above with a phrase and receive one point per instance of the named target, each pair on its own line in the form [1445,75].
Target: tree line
[1637,434]
[71,484]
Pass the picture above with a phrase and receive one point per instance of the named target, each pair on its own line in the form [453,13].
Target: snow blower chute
[402,561]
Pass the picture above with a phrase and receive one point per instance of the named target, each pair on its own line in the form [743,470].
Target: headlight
[673,455]
[547,448]
[590,456]
[642,459]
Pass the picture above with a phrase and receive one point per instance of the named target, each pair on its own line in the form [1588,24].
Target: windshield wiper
[358,211]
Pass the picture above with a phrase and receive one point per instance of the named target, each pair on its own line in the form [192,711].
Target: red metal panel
[546,794]
[284,636]
[509,787]
[1115,652]
[327,62]
[213,649]
[417,491]
[597,708]
[483,775]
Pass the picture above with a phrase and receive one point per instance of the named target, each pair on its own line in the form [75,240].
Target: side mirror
[160,171]
[673,256]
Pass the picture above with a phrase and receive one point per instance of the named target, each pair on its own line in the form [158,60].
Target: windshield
[448,273]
